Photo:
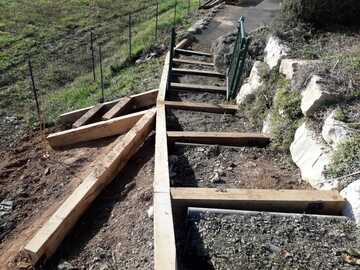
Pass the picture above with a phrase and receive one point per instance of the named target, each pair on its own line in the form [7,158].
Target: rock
[275,51]
[315,96]
[352,195]
[311,157]
[267,124]
[335,132]
[222,49]
[65,266]
[254,83]
[150,212]
[288,67]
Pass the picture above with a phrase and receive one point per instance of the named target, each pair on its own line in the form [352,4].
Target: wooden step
[122,107]
[190,52]
[219,138]
[198,88]
[192,62]
[207,73]
[293,201]
[90,115]
[201,107]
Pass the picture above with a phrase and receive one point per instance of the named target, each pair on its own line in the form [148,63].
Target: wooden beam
[164,80]
[122,107]
[198,88]
[116,126]
[141,100]
[183,43]
[192,62]
[201,107]
[90,116]
[190,52]
[293,201]
[219,138]
[51,234]
[164,235]
[197,72]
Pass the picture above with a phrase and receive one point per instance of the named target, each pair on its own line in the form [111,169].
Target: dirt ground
[34,179]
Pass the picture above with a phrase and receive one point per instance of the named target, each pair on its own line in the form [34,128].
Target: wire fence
[88,50]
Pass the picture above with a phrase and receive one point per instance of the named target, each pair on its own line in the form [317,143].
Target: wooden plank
[164,235]
[198,88]
[294,201]
[90,115]
[116,126]
[197,72]
[201,107]
[51,234]
[122,107]
[190,52]
[141,100]
[192,62]
[183,43]
[164,79]
[219,138]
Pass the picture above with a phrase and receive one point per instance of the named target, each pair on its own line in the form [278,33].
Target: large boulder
[315,96]
[335,132]
[312,157]
[254,83]
[275,50]
[288,67]
[352,195]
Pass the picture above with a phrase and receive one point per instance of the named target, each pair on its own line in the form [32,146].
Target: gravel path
[266,241]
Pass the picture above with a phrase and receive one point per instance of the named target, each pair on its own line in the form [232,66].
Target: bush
[323,12]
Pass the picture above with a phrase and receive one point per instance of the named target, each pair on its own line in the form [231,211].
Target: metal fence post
[92,54]
[34,90]
[130,53]
[156,21]
[175,12]
[189,6]
[101,76]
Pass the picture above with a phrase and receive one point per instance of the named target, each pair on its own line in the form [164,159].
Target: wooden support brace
[122,107]
[291,201]
[201,107]
[90,116]
[207,73]
[141,100]
[192,62]
[51,234]
[116,126]
[198,88]
[219,138]
[190,52]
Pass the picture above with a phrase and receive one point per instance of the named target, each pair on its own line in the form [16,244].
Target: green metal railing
[238,58]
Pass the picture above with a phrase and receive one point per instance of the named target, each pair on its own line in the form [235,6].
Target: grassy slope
[56,34]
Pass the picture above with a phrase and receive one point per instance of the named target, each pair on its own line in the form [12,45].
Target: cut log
[198,88]
[206,73]
[219,138]
[116,126]
[122,107]
[141,100]
[190,52]
[291,201]
[192,62]
[164,235]
[201,107]
[90,116]
[51,234]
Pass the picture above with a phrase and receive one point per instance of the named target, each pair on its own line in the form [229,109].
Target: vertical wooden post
[156,21]
[34,90]
[101,76]
[130,53]
[92,54]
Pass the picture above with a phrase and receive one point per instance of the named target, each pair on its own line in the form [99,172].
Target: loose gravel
[266,241]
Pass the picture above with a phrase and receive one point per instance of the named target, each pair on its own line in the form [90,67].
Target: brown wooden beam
[197,72]
[201,107]
[219,138]
[190,52]
[49,237]
[291,201]
[90,116]
[120,108]
[192,62]
[198,88]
